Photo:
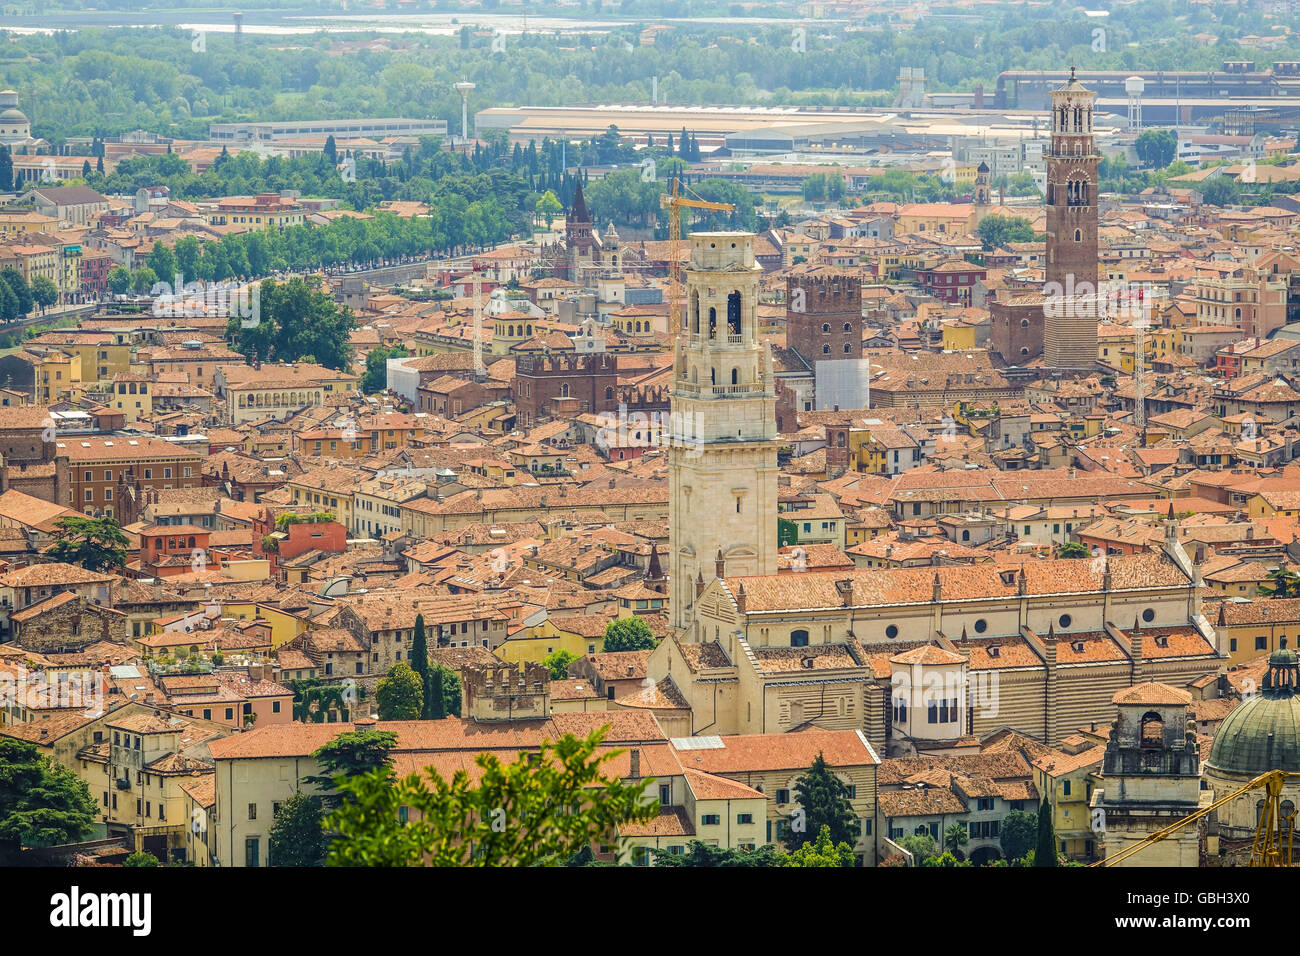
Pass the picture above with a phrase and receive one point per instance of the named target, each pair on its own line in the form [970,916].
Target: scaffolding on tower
[1140,369]
[675,202]
[480,371]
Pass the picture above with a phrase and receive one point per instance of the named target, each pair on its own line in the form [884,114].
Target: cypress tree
[6,170]
[420,660]
[1045,854]
[825,802]
[434,694]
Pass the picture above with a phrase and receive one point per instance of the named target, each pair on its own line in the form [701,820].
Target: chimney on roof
[936,594]
[699,583]
[742,599]
[634,756]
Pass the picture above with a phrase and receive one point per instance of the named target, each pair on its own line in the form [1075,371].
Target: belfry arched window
[733,314]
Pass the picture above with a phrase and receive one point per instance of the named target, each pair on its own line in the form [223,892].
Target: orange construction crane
[674,202]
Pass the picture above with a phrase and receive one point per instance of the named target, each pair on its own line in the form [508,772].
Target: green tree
[1157,148]
[97,544]
[143,280]
[400,695]
[996,231]
[8,303]
[946,858]
[297,836]
[629,634]
[6,170]
[348,755]
[1220,191]
[1282,583]
[538,811]
[162,262]
[419,655]
[547,207]
[558,663]
[141,859]
[1017,834]
[44,291]
[704,855]
[119,280]
[824,799]
[296,319]
[1072,549]
[435,693]
[331,150]
[375,378]
[19,287]
[822,852]
[921,846]
[955,837]
[41,803]
[1045,853]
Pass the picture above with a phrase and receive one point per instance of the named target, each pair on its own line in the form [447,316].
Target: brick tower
[1071,309]
[823,315]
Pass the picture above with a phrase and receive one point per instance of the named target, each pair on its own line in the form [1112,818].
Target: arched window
[735,376]
[713,376]
[799,638]
[510,331]
[733,314]
[713,322]
[695,313]
[609,394]
[826,326]
[1153,730]
[564,390]
[1078,235]
[1024,323]
[848,326]
[826,350]
[848,348]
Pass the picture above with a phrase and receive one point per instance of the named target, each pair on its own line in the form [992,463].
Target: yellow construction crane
[1274,834]
[674,202]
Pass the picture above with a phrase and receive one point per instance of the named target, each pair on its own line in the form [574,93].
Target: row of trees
[18,298]
[359,813]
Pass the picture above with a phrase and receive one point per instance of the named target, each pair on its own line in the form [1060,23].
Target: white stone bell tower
[722,454]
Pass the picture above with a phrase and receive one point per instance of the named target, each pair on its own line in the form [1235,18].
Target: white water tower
[463,88]
[1134,86]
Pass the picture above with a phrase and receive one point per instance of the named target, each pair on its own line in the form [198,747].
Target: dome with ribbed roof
[1263,733]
